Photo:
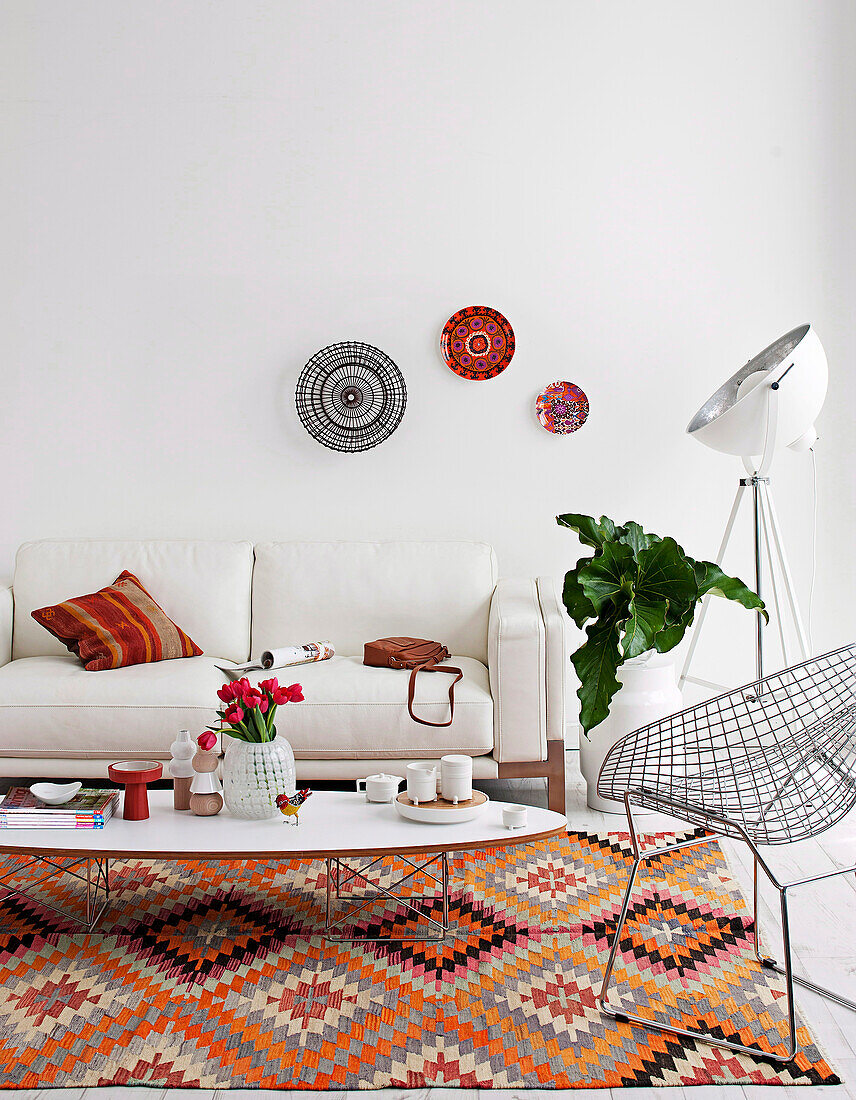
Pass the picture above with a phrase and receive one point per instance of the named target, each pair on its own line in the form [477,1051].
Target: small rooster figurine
[289,804]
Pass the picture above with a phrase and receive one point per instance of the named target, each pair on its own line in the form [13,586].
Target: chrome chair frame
[772,745]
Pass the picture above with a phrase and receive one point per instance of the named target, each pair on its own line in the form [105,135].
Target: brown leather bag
[418,655]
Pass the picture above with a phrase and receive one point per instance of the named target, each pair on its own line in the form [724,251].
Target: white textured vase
[648,691]
[254,774]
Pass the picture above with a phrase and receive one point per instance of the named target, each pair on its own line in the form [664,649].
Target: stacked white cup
[421,782]
[456,778]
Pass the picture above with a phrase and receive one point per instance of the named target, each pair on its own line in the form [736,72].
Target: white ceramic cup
[421,783]
[380,788]
[514,817]
[456,778]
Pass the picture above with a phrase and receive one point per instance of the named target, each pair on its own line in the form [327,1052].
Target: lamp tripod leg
[774,587]
[779,546]
[699,623]
[767,535]
[757,523]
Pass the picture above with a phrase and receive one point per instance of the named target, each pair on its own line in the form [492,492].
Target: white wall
[197,196]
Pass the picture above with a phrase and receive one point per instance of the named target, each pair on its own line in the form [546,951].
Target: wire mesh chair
[770,763]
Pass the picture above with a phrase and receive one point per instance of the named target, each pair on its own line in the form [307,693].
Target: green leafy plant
[637,592]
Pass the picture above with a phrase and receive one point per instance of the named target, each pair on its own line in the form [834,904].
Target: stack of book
[90,808]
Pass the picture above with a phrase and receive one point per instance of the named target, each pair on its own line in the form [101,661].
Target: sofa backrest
[203,586]
[353,592]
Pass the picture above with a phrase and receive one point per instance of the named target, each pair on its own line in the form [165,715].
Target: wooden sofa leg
[553,768]
[556,776]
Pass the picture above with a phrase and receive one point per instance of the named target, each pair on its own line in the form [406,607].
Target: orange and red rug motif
[215,975]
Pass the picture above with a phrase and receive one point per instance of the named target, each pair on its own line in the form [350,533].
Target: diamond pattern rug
[215,975]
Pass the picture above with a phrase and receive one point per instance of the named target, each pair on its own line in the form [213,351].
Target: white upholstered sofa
[234,599]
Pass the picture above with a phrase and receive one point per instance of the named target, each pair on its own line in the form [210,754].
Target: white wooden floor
[824,933]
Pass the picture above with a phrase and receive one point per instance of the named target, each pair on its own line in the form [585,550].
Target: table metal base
[95,877]
[341,872]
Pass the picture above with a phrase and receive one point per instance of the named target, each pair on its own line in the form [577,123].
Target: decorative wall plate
[562,408]
[477,342]
[350,396]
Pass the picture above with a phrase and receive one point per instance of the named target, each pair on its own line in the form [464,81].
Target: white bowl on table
[55,794]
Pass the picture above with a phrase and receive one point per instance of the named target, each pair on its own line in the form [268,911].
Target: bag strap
[432,666]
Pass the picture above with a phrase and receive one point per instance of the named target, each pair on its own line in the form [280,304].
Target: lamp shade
[734,419]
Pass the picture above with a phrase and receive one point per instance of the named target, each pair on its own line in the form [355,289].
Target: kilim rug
[215,975]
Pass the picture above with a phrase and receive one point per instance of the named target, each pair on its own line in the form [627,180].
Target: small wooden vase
[205,798]
[181,793]
[181,769]
[206,805]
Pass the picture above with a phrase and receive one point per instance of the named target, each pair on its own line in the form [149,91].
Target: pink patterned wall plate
[477,342]
[562,408]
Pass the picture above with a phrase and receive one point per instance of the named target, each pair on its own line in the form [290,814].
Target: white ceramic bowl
[514,817]
[55,794]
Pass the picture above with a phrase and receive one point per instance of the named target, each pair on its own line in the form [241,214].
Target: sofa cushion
[352,711]
[116,626]
[354,592]
[203,586]
[51,706]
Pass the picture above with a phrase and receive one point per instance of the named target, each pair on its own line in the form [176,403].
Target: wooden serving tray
[441,803]
[440,811]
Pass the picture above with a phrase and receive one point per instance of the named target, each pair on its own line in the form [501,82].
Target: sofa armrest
[516,663]
[555,623]
[7,607]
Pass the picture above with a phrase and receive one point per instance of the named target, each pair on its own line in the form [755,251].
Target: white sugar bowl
[380,788]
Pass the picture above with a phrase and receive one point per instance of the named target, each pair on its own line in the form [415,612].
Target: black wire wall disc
[350,396]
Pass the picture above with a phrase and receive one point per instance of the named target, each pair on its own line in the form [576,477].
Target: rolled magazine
[283,657]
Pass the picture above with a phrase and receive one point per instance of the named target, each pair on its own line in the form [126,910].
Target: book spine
[27,815]
[25,811]
[23,821]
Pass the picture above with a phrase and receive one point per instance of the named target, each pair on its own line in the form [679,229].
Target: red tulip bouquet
[249,712]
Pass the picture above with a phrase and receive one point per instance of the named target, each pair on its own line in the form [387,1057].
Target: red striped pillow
[119,625]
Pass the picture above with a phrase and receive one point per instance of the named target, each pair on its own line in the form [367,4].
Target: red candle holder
[134,775]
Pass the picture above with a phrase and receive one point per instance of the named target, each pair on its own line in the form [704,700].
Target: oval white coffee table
[339,827]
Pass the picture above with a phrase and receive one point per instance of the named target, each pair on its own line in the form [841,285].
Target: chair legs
[620,1013]
[772,964]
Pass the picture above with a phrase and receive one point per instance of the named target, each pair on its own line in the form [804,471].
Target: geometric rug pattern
[216,975]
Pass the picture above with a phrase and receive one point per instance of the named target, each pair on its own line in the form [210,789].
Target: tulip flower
[251,698]
[227,693]
[250,711]
[206,740]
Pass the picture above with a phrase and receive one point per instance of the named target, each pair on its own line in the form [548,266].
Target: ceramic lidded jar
[254,773]
[381,787]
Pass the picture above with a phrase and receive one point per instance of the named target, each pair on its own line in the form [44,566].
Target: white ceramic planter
[254,774]
[648,692]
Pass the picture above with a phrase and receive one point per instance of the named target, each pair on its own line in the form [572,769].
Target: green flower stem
[237,730]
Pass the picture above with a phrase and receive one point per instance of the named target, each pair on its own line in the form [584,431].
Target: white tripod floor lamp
[770,402]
